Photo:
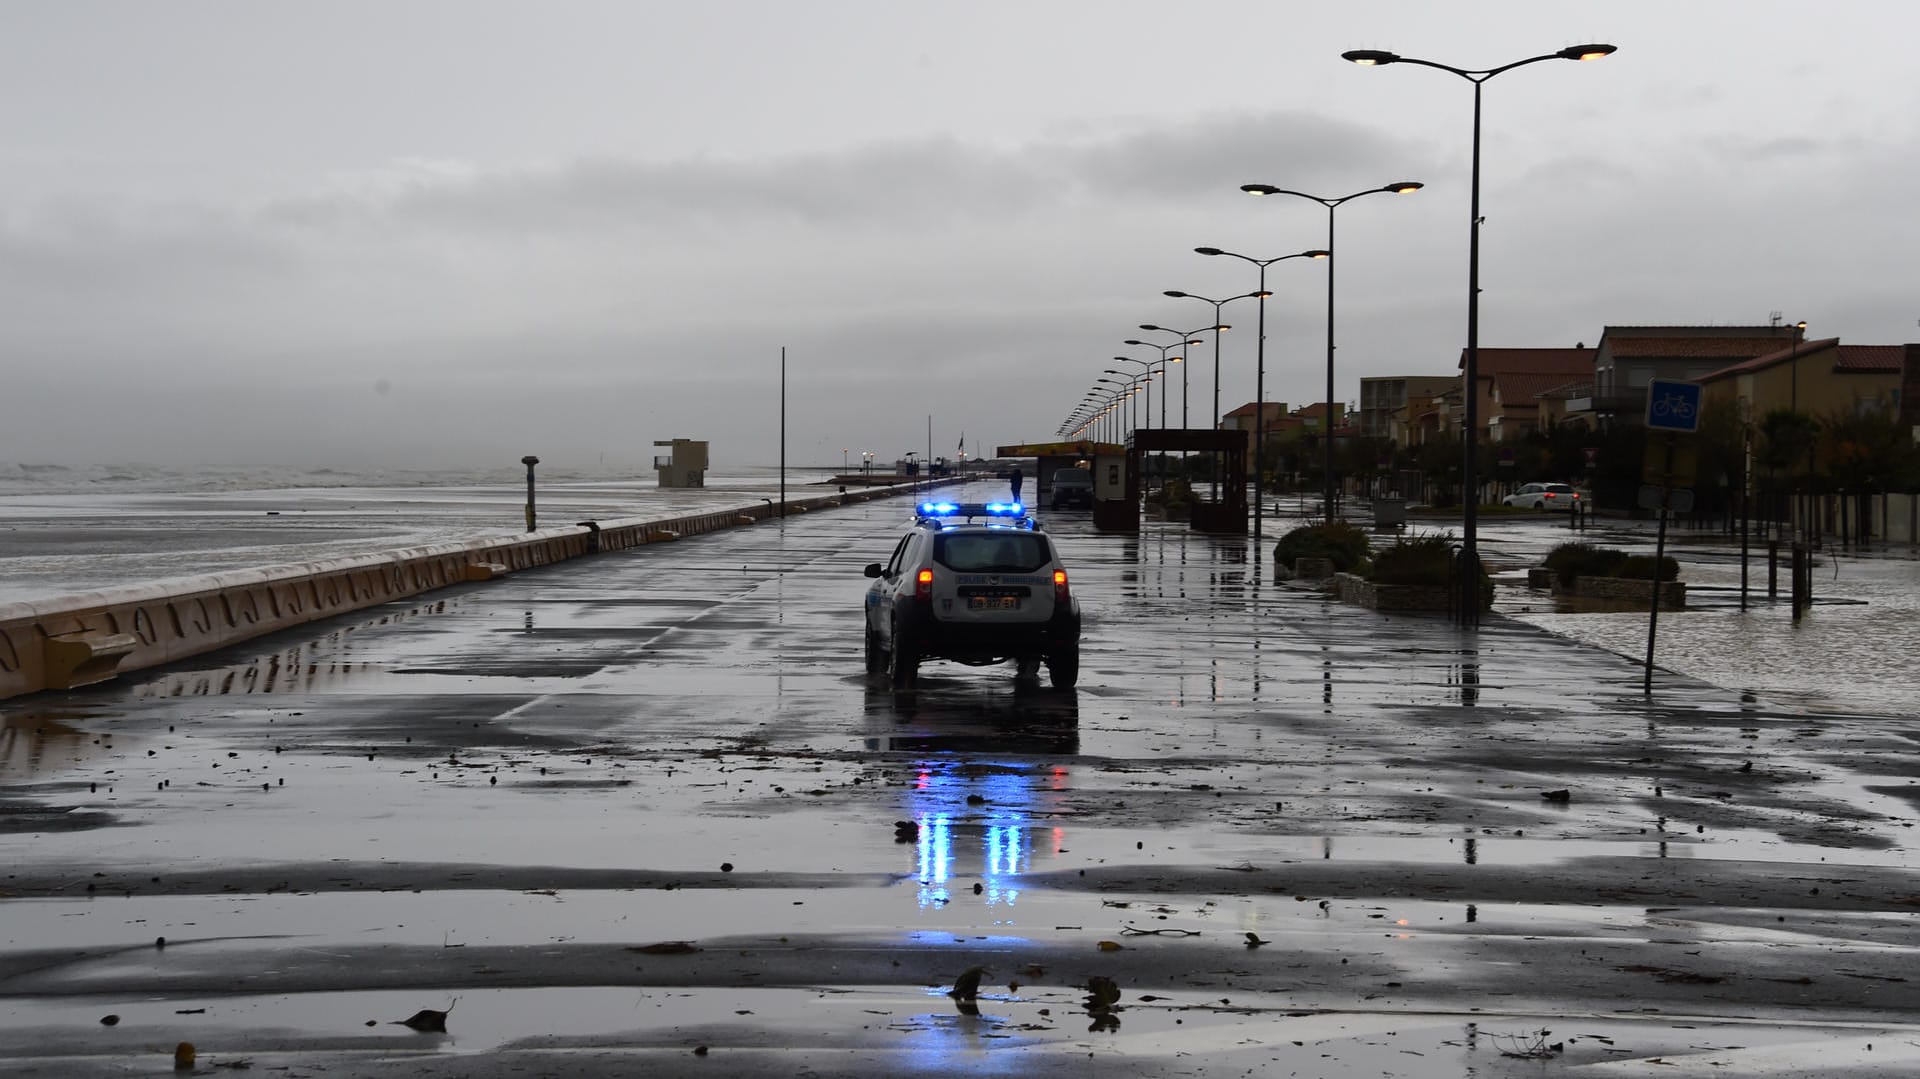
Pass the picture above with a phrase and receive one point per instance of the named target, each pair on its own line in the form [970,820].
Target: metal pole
[1331,255]
[783,431]
[1470,599]
[1259,406]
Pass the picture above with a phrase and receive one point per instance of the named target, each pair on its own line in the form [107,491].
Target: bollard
[529,460]
[1802,573]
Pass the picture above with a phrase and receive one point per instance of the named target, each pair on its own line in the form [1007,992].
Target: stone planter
[1673,594]
[1391,597]
[1312,569]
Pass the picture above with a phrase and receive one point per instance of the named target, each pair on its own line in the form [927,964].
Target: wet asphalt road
[640,812]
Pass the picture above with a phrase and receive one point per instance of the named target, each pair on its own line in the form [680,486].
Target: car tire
[1063,669]
[903,662]
[876,655]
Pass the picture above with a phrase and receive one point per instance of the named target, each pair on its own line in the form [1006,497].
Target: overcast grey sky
[432,234]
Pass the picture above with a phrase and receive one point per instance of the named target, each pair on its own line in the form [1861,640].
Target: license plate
[993,603]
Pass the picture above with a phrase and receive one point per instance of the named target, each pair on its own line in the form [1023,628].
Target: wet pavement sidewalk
[645,811]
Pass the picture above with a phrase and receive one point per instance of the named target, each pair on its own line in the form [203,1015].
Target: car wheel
[903,662]
[1064,668]
[876,655]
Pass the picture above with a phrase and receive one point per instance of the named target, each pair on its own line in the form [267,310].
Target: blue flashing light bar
[938,509]
[1004,509]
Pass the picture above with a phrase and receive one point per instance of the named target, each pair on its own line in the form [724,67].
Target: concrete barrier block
[484,571]
[81,659]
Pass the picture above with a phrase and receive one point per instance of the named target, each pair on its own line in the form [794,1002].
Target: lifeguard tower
[685,466]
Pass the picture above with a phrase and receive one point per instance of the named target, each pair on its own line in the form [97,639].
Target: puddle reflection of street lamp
[1400,187]
[1469,600]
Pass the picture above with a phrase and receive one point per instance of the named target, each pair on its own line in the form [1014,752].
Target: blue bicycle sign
[1673,406]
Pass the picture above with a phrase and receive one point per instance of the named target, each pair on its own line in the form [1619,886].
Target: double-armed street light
[1260,364]
[1399,187]
[1218,328]
[1186,337]
[1123,391]
[1469,600]
[1145,376]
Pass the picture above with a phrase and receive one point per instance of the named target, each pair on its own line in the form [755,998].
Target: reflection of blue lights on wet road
[978,825]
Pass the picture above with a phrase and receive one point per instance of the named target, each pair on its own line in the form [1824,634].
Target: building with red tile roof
[1817,378]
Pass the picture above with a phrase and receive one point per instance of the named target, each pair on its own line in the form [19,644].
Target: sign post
[1673,409]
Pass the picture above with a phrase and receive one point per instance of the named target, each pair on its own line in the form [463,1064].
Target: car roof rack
[992,514]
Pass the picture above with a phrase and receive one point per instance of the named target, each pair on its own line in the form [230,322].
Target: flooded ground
[1852,652]
[644,812]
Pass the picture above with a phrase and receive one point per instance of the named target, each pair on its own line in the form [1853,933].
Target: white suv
[1543,496]
[975,583]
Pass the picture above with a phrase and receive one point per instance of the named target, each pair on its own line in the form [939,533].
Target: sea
[70,529]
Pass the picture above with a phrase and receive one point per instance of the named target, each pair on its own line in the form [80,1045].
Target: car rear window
[991,552]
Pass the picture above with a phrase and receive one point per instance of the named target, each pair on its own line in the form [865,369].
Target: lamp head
[1316,253]
[1176,359]
[1259,189]
[1208,251]
[1585,52]
[1131,341]
[1371,57]
[1404,187]
[1175,293]
[1156,329]
[1258,295]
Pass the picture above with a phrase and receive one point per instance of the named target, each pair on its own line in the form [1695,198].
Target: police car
[976,583]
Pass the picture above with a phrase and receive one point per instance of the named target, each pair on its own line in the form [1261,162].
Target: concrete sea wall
[76,640]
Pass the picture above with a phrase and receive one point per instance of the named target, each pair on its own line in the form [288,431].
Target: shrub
[1423,560]
[1344,544]
[1571,560]
[1640,568]
[1414,560]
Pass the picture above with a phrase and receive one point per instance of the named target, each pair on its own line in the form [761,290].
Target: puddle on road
[886,1029]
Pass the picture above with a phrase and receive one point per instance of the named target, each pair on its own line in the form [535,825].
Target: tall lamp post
[1469,604]
[1260,369]
[1146,376]
[1218,327]
[1186,338]
[1168,392]
[1399,187]
[1123,389]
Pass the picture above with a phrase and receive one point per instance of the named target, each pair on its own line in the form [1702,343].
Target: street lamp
[1146,375]
[1186,338]
[1123,390]
[1399,187]
[1469,553]
[1163,359]
[1260,363]
[1218,328]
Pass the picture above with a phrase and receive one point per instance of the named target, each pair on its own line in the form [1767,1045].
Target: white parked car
[1544,496]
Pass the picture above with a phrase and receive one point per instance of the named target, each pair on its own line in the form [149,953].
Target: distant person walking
[1014,478]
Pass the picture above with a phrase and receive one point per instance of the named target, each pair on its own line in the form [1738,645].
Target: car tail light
[923,586]
[1550,494]
[1059,586]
